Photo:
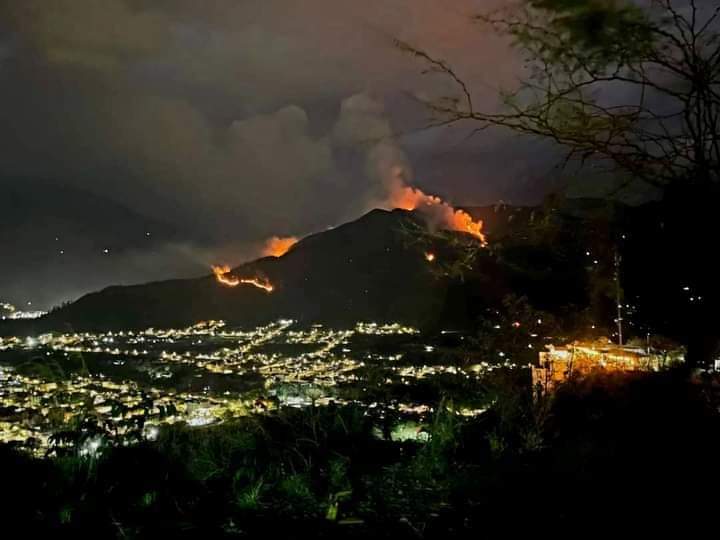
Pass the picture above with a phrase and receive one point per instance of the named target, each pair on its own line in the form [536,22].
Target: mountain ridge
[370,269]
[356,271]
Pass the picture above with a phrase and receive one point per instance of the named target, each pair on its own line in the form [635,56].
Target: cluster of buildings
[145,374]
[278,364]
[9,312]
[33,408]
[560,364]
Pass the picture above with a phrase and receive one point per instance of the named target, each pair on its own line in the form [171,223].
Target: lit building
[558,364]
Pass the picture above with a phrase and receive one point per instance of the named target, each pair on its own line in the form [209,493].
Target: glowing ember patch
[222,275]
[278,246]
[429,257]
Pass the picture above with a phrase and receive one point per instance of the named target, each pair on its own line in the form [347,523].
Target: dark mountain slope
[372,269]
[364,270]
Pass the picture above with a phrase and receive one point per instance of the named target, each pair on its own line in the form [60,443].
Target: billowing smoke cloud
[362,120]
[230,122]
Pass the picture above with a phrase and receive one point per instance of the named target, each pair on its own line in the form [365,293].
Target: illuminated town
[208,373]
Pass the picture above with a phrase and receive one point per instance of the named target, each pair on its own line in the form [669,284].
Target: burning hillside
[277,246]
[435,211]
[223,276]
[434,208]
[361,270]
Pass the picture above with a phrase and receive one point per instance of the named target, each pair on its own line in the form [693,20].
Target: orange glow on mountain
[410,198]
[223,276]
[260,283]
[277,246]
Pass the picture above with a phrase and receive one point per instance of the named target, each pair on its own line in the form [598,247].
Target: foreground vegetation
[628,449]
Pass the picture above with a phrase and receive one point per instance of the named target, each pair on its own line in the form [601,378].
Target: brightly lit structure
[559,364]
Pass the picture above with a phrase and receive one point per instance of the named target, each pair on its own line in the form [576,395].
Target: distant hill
[372,269]
[359,271]
[53,240]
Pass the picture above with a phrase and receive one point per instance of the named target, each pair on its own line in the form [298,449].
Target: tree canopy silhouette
[634,87]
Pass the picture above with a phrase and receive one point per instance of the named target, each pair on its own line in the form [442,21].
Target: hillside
[371,269]
[359,271]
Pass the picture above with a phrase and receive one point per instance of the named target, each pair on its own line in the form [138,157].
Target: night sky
[147,140]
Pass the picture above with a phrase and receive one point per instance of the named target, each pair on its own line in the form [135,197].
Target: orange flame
[277,246]
[263,284]
[409,198]
[222,275]
[430,257]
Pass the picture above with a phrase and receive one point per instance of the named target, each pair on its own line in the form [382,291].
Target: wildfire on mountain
[410,198]
[223,276]
[260,283]
[277,246]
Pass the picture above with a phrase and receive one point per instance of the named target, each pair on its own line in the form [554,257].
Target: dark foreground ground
[607,454]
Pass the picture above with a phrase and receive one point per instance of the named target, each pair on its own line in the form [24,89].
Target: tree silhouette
[633,90]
